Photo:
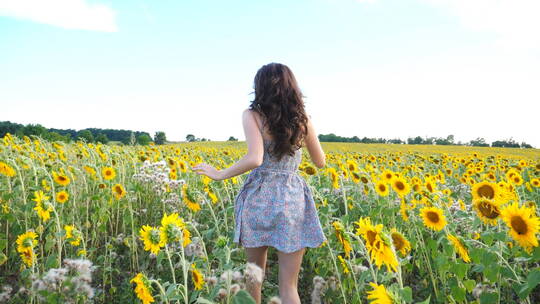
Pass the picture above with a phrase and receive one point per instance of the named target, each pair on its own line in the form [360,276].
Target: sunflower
[334,176]
[400,185]
[377,244]
[62,196]
[486,190]
[339,229]
[152,238]
[401,244]
[310,170]
[188,199]
[523,224]
[72,233]
[6,170]
[143,288]
[430,185]
[535,182]
[25,246]
[61,179]
[343,264]
[44,214]
[118,191]
[459,247]
[433,218]
[172,227]
[197,277]
[379,295]
[39,197]
[387,175]
[108,173]
[355,177]
[488,210]
[382,188]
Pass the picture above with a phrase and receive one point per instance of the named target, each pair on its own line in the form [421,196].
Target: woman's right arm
[254,156]
[314,146]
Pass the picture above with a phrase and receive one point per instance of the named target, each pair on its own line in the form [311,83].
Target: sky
[373,68]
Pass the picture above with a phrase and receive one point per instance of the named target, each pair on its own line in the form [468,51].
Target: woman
[275,207]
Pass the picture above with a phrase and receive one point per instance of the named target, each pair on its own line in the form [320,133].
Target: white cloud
[516,21]
[70,14]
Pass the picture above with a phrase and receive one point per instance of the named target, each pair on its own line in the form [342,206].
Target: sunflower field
[92,223]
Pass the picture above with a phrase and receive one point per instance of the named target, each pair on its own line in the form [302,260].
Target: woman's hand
[208,170]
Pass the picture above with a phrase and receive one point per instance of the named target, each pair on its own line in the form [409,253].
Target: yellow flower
[401,244]
[25,246]
[343,264]
[188,200]
[387,175]
[108,173]
[118,191]
[174,229]
[72,233]
[341,236]
[382,188]
[61,179]
[377,244]
[197,277]
[433,218]
[400,185]
[39,196]
[334,176]
[143,288]
[44,214]
[459,247]
[62,196]
[379,295]
[6,170]
[487,210]
[485,190]
[523,225]
[152,238]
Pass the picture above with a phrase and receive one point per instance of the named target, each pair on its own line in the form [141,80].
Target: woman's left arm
[251,160]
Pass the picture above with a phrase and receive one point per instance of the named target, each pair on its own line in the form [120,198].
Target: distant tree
[86,135]
[190,137]
[478,142]
[526,145]
[396,141]
[102,138]
[232,138]
[143,139]
[34,129]
[160,138]
[415,141]
[54,136]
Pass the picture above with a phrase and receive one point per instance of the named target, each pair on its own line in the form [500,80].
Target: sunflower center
[371,235]
[118,190]
[433,217]
[364,179]
[486,191]
[398,242]
[399,185]
[382,187]
[488,210]
[519,225]
[429,187]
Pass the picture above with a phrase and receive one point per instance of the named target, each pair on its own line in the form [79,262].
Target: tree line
[418,140]
[89,135]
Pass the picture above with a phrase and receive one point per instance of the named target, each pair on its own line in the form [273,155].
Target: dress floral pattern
[275,207]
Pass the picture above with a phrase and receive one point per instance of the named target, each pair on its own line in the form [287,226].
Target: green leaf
[492,273]
[204,301]
[52,261]
[469,285]
[426,301]
[3,243]
[488,297]
[406,294]
[243,297]
[460,270]
[458,293]
[3,258]
[533,278]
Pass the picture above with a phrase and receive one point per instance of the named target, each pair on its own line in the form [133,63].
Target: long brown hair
[279,101]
